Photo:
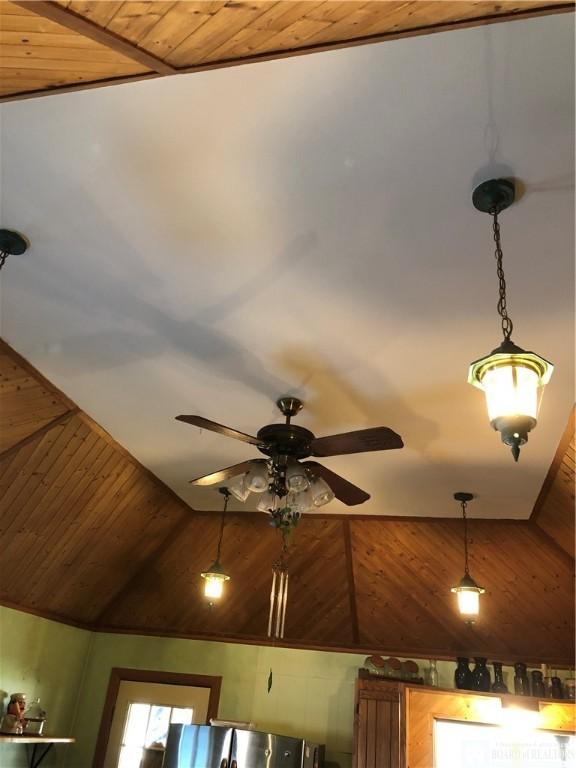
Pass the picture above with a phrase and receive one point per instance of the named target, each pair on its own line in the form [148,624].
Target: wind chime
[285,518]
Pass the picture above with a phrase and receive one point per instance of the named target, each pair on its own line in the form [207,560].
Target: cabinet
[378,724]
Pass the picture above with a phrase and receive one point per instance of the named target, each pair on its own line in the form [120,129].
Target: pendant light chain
[226,493]
[3,256]
[507,325]
[465,519]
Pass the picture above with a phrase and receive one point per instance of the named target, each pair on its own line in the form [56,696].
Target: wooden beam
[70,20]
[555,466]
[351,584]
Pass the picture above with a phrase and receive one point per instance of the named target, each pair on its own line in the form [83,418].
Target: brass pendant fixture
[215,577]
[511,378]
[467,591]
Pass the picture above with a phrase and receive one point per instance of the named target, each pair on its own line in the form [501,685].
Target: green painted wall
[43,659]
[312,694]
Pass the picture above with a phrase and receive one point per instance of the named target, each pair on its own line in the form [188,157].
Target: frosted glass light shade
[468,594]
[267,502]
[512,381]
[257,477]
[238,488]
[296,478]
[214,579]
[321,492]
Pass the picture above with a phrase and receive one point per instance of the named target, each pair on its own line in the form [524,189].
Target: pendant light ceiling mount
[494,195]
[11,244]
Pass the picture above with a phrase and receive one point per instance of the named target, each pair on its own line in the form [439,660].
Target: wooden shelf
[6,738]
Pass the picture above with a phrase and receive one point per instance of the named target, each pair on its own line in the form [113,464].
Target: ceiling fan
[286,445]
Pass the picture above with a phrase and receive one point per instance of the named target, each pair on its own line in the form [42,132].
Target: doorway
[139,707]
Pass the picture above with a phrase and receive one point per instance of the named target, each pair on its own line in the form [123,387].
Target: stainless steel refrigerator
[213,746]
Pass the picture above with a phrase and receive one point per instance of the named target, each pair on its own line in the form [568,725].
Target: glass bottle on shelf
[557,688]
[481,675]
[538,688]
[498,686]
[433,674]
[463,674]
[521,682]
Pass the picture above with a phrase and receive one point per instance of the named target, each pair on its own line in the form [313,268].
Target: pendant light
[215,576]
[511,378]
[467,591]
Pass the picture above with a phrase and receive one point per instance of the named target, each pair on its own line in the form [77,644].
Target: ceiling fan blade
[347,492]
[223,474]
[361,441]
[199,421]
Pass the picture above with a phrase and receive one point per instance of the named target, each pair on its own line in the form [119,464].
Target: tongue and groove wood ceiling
[91,537]
[54,46]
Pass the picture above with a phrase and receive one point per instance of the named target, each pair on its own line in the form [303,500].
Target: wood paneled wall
[71,44]
[90,536]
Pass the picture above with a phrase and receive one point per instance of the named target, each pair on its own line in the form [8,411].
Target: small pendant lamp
[467,591]
[511,378]
[215,576]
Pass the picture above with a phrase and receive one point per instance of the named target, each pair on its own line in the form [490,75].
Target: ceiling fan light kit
[511,378]
[305,485]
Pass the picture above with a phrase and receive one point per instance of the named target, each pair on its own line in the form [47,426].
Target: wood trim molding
[351,584]
[70,20]
[119,674]
[4,603]
[555,466]
[38,433]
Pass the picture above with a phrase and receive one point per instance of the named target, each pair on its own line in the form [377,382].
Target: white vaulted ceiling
[206,243]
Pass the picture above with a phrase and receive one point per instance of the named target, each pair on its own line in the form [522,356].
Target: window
[146,729]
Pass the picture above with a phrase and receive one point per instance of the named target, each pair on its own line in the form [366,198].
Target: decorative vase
[481,675]
[498,686]
[521,682]
[463,675]
[538,684]
[557,688]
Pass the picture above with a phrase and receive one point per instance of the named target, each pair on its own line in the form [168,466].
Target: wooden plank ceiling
[90,536]
[55,46]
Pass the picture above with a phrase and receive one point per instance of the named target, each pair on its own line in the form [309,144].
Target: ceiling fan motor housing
[285,439]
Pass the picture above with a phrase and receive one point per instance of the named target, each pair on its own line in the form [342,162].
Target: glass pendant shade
[238,488]
[321,492]
[214,579]
[468,594]
[257,477]
[296,478]
[512,381]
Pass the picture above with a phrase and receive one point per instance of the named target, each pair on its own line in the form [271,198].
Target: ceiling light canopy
[511,378]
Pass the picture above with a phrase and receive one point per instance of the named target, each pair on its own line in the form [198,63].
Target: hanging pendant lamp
[511,378]
[215,577]
[467,591]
